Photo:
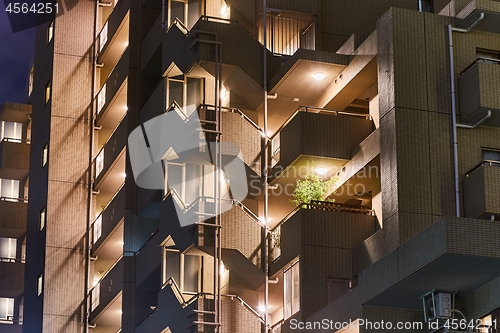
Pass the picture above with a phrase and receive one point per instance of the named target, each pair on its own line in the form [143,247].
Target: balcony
[107,299]
[14,158]
[114,35]
[479,86]
[11,277]
[110,161]
[243,61]
[13,217]
[108,220]
[172,311]
[111,101]
[482,190]
[322,236]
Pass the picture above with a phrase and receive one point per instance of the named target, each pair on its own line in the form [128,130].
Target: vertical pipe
[90,174]
[265,173]
[454,122]
[216,194]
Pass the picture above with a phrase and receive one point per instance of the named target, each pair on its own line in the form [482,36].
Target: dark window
[425,6]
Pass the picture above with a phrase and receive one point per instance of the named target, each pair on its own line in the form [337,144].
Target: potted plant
[312,187]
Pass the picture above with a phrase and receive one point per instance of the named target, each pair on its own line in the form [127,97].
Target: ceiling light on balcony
[321,170]
[222,269]
[224,9]
[262,308]
[319,76]
[223,93]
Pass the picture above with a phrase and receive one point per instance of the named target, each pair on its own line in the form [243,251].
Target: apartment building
[14,166]
[396,100]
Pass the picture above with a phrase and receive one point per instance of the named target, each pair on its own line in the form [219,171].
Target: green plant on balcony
[311,188]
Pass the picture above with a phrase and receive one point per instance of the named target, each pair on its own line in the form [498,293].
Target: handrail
[6,139]
[5,259]
[237,111]
[480,59]
[278,324]
[184,303]
[251,214]
[180,25]
[337,207]
[229,21]
[306,109]
[14,199]
[490,163]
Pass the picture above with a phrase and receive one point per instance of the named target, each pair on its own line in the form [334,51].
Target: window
[11,130]
[488,56]
[9,189]
[47,92]
[103,36]
[31,80]
[291,293]
[425,6]
[101,99]
[6,309]
[42,219]
[50,32]
[183,268]
[39,285]
[491,157]
[186,92]
[45,154]
[337,288]
[8,249]
[99,163]
[97,228]
[96,293]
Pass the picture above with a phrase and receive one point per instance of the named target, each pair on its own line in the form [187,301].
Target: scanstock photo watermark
[366,324]
[26,14]
[170,153]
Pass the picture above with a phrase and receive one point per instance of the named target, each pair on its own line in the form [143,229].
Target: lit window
[291,284]
[8,249]
[11,130]
[47,92]
[6,309]
[103,36]
[39,285]
[9,189]
[50,32]
[43,219]
[101,99]
[97,228]
[96,292]
[99,163]
[425,6]
[45,154]
[31,79]
[182,268]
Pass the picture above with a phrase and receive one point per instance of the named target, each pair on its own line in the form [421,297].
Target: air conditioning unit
[436,305]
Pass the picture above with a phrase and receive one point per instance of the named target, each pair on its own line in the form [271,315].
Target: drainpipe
[454,108]
[482,120]
[265,170]
[90,174]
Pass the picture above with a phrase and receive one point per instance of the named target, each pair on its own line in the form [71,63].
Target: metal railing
[276,149]
[337,207]
[6,139]
[23,200]
[488,163]
[285,35]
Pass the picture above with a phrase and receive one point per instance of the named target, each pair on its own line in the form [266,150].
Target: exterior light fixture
[321,170]
[222,269]
[262,308]
[223,93]
[224,9]
[319,76]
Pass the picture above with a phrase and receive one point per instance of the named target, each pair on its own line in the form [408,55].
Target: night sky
[16,53]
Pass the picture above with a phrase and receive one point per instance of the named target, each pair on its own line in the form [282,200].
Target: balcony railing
[285,35]
[275,151]
[337,207]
